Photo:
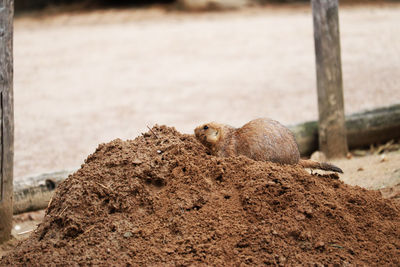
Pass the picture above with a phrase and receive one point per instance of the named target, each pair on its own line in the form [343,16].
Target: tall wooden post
[6,118]
[332,131]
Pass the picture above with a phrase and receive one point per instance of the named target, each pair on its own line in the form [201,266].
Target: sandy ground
[23,225]
[372,171]
[86,78]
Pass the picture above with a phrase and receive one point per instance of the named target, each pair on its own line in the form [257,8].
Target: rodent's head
[208,134]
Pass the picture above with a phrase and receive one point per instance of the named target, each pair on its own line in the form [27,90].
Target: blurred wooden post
[332,131]
[6,118]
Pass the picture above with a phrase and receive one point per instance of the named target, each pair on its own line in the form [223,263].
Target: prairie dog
[260,139]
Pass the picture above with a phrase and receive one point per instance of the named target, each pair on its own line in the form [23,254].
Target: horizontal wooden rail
[34,193]
[372,126]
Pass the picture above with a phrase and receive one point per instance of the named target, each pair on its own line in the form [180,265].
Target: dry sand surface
[86,78]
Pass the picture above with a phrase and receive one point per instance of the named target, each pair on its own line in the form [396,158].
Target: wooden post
[332,131]
[6,118]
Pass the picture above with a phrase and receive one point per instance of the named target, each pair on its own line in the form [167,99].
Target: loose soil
[162,199]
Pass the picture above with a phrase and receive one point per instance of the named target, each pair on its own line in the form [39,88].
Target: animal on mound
[260,139]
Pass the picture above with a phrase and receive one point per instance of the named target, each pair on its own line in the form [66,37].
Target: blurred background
[89,72]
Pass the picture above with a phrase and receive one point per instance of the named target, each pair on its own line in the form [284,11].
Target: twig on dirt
[336,246]
[25,232]
[152,131]
[51,200]
[90,229]
[105,187]
[62,211]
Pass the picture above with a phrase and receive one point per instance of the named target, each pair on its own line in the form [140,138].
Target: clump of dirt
[162,200]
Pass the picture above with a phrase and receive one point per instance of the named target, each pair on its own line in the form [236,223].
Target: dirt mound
[161,199]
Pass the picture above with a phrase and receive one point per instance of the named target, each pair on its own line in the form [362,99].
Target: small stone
[135,230]
[307,235]
[360,169]
[270,183]
[319,245]
[128,234]
[308,212]
[137,161]
[282,259]
[169,250]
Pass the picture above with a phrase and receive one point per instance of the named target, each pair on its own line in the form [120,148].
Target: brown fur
[260,139]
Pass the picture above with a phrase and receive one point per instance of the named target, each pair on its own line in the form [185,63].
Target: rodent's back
[261,139]
[266,140]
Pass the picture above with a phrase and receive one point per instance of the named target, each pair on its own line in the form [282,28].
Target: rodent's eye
[205,127]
